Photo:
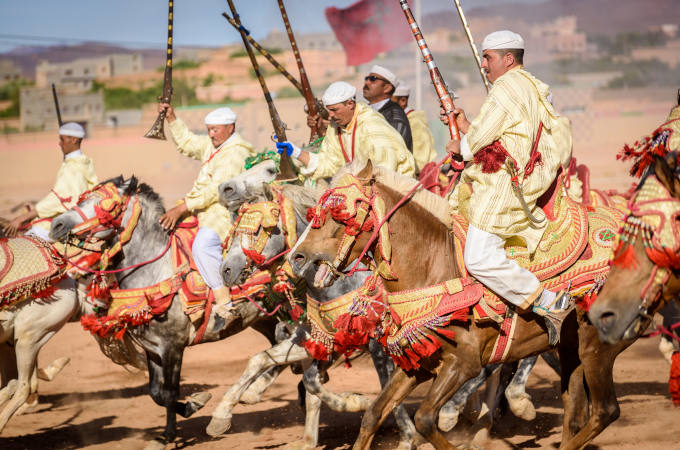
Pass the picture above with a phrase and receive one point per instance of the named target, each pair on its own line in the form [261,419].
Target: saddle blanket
[29,268]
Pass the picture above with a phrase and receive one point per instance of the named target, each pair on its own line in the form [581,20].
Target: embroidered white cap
[220,116]
[386,74]
[338,92]
[403,90]
[72,129]
[501,40]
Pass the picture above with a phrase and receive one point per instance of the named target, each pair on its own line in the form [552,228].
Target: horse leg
[27,354]
[344,402]
[255,389]
[448,414]
[518,399]
[597,362]
[397,388]
[310,438]
[385,367]
[51,371]
[283,353]
[451,376]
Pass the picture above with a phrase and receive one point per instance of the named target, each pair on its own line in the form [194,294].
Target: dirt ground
[98,405]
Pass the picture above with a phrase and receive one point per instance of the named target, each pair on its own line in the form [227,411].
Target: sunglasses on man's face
[374,78]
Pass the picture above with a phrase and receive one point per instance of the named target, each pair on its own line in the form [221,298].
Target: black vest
[395,116]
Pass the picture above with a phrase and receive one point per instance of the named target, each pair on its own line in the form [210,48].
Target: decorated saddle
[29,268]
[573,254]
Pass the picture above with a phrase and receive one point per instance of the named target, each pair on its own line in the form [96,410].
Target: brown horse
[646,266]
[423,255]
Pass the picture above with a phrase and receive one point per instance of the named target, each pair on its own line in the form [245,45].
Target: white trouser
[485,259]
[207,252]
[40,232]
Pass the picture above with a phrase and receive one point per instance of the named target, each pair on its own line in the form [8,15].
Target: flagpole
[419,58]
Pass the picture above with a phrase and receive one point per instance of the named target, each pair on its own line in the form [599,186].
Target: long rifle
[266,54]
[286,171]
[306,88]
[156,131]
[439,85]
[56,105]
[466,28]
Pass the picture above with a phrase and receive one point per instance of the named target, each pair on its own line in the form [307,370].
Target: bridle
[360,209]
[654,216]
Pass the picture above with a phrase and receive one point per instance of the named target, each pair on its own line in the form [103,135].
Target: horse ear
[269,195]
[367,171]
[664,169]
[132,185]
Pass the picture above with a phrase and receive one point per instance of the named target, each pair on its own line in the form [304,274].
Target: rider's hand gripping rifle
[156,131]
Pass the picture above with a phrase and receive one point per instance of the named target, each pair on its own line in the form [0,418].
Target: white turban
[403,90]
[386,74]
[220,116]
[338,92]
[72,129]
[501,40]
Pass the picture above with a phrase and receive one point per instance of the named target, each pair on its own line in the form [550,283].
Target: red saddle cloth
[29,268]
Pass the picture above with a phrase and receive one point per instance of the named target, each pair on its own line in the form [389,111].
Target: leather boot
[222,307]
[555,314]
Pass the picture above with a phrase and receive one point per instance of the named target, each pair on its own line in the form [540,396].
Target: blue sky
[142,23]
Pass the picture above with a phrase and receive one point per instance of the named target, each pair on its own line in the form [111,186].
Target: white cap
[338,92]
[72,129]
[403,90]
[220,116]
[501,40]
[386,74]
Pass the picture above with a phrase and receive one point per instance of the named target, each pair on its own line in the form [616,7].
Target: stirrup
[222,314]
[555,317]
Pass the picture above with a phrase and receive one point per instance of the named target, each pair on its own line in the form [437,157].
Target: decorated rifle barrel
[267,55]
[285,166]
[466,27]
[56,105]
[439,84]
[156,131]
[306,88]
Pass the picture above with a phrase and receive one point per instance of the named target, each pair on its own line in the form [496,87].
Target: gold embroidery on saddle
[29,267]
[322,316]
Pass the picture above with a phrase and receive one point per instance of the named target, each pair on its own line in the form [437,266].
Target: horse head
[330,245]
[247,186]
[646,261]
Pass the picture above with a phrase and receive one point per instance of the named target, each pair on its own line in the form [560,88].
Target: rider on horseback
[222,153]
[516,146]
[75,176]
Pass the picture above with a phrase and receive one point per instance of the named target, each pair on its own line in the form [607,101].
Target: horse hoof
[198,400]
[156,444]
[53,369]
[29,406]
[406,445]
[448,419]
[218,426]
[666,348]
[522,407]
[355,402]
[299,445]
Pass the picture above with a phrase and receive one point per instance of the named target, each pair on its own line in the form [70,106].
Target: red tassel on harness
[625,259]
[674,380]
[316,349]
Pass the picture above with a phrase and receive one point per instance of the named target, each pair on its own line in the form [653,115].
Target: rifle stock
[156,131]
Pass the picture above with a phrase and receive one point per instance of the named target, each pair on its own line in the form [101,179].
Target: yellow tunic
[218,166]
[75,176]
[375,139]
[511,113]
[423,141]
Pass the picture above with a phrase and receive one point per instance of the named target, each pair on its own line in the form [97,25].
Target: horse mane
[432,203]
[302,197]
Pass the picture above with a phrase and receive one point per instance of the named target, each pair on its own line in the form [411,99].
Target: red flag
[369,27]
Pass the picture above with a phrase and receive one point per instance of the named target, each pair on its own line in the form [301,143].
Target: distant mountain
[593,16]
[28,57]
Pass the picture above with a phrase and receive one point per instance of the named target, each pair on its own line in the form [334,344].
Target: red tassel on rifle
[674,380]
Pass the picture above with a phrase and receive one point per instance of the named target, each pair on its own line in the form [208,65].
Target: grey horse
[166,336]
